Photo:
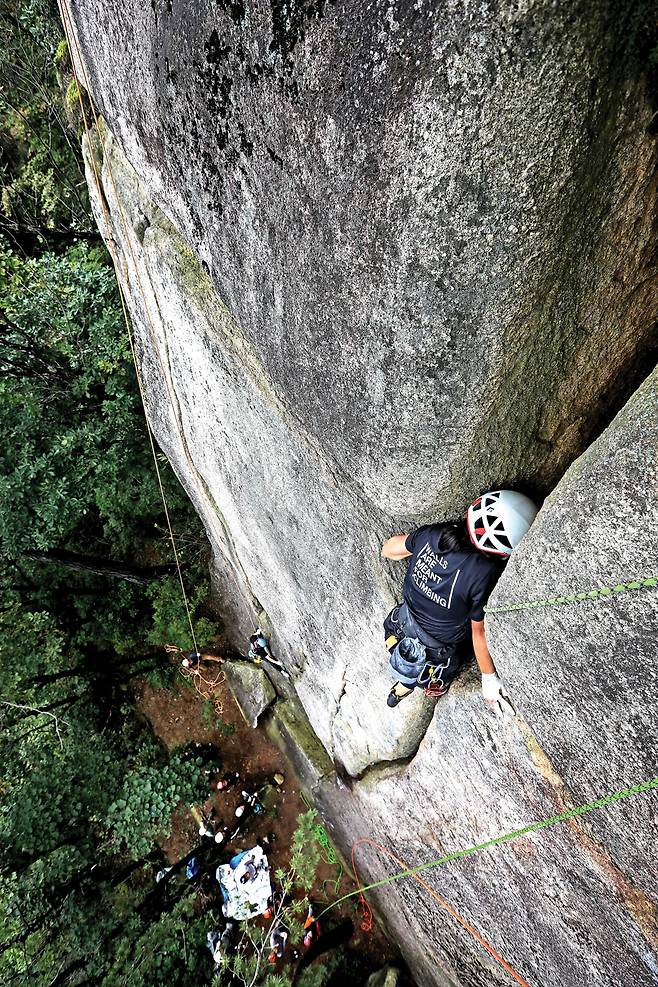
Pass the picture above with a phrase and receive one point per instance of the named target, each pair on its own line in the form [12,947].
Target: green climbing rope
[322,837]
[580,810]
[329,855]
[593,594]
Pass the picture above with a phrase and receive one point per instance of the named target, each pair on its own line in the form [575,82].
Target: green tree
[43,199]
[148,795]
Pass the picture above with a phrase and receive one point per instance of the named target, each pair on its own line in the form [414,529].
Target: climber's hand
[495,696]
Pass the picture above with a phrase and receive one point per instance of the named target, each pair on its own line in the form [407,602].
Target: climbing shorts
[419,660]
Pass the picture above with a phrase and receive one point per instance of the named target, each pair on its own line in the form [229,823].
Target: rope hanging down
[649,582]
[71,40]
[413,872]
[366,923]
[579,810]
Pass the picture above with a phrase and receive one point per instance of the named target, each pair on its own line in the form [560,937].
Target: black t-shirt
[446,590]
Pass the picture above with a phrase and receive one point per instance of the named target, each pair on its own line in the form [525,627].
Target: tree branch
[142,575]
[41,712]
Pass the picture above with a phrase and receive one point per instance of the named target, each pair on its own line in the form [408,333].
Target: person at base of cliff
[278,940]
[229,779]
[452,569]
[312,927]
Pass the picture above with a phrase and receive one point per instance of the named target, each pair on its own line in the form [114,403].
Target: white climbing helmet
[498,520]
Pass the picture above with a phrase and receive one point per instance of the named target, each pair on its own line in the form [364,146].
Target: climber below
[452,570]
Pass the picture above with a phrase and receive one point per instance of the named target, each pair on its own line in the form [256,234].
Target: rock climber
[214,945]
[191,661]
[452,569]
[259,651]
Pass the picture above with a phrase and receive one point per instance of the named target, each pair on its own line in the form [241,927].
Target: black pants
[400,623]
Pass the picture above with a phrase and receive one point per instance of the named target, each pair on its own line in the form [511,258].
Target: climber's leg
[392,628]
[397,694]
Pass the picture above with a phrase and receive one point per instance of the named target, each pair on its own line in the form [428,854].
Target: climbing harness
[606,592]
[413,662]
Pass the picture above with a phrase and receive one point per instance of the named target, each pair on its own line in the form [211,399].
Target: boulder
[388,976]
[253,691]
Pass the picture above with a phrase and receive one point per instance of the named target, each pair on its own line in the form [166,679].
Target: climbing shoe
[397,694]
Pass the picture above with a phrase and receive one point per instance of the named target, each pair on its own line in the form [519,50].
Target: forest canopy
[88,590]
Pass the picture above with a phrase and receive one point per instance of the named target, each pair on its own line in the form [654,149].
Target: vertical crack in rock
[643,911]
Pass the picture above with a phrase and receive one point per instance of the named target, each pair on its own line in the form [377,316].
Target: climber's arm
[394,548]
[481,648]
[492,688]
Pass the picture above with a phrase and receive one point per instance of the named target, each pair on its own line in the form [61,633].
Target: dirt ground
[180,716]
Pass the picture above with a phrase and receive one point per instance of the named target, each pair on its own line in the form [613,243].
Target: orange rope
[366,923]
[205,687]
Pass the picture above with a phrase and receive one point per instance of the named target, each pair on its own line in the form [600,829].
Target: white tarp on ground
[242,901]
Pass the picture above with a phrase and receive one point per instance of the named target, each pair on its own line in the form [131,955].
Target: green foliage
[44,196]
[170,621]
[72,95]
[147,799]
[318,974]
[305,855]
[172,950]
[75,783]
[75,465]
[61,53]
[67,398]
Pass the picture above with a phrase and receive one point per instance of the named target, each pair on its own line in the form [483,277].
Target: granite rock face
[412,212]
[378,258]
[584,675]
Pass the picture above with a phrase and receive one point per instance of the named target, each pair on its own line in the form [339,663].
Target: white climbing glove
[495,695]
